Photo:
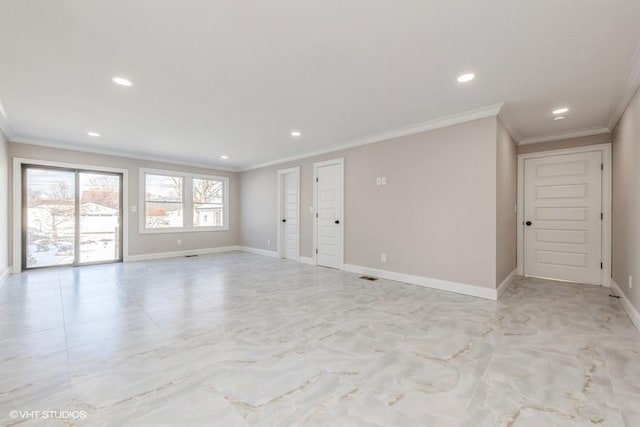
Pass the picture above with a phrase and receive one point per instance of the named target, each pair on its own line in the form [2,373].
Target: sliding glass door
[70,217]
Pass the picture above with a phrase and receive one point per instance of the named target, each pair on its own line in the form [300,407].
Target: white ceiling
[235,77]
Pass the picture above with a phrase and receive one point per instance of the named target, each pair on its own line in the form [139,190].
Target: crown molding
[508,122]
[631,86]
[596,130]
[443,122]
[116,153]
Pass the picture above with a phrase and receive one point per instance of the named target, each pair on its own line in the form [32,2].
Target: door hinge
[316,214]
[316,179]
[316,250]
[601,216]
[601,166]
[600,266]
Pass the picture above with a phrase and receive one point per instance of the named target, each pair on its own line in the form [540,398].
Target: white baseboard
[443,285]
[272,254]
[306,260]
[502,287]
[176,254]
[631,311]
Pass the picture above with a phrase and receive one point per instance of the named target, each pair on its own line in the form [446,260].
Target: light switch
[378,181]
[134,209]
[384,180]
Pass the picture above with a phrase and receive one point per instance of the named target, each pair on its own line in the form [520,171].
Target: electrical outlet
[179,242]
[384,180]
[310,209]
[630,281]
[383,257]
[134,209]
[378,181]
[269,243]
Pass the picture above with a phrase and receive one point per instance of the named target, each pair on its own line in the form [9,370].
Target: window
[163,205]
[208,196]
[180,201]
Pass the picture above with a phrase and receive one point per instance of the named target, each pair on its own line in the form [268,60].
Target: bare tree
[205,191]
[59,207]
[105,190]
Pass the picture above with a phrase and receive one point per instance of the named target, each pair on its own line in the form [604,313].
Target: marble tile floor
[238,339]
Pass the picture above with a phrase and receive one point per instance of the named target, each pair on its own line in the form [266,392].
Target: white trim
[631,311]
[264,252]
[176,254]
[187,202]
[17,203]
[443,285]
[306,260]
[606,203]
[317,165]
[502,287]
[631,86]
[442,122]
[282,172]
[507,121]
[117,153]
[596,130]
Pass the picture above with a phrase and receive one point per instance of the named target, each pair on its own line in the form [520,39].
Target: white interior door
[562,214]
[329,221]
[289,211]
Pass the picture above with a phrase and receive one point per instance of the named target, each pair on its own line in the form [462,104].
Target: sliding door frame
[17,219]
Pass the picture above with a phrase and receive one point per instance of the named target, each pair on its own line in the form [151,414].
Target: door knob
[337,221]
[528,223]
[284,220]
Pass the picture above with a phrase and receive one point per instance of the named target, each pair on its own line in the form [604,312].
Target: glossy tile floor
[238,339]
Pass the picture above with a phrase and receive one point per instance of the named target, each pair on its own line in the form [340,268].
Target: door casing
[341,229]
[606,204]
[16,187]
[76,262]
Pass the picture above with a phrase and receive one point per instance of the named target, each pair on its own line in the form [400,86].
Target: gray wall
[4,203]
[506,187]
[626,201]
[140,244]
[435,218]
[581,141]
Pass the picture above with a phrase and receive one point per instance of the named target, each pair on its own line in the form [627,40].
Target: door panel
[563,202]
[99,217]
[49,217]
[329,207]
[289,228]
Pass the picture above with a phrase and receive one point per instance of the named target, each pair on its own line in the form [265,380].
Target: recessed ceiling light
[560,110]
[559,118]
[223,157]
[465,78]
[122,81]
[296,133]
[93,134]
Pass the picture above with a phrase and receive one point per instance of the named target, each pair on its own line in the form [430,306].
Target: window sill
[181,230]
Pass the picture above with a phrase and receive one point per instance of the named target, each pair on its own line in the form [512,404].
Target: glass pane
[50,227]
[99,217]
[164,214]
[208,197]
[161,188]
[163,195]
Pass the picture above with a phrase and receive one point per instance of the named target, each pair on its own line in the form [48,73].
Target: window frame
[187,202]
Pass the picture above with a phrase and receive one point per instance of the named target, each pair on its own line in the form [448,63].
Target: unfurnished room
[320,213]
